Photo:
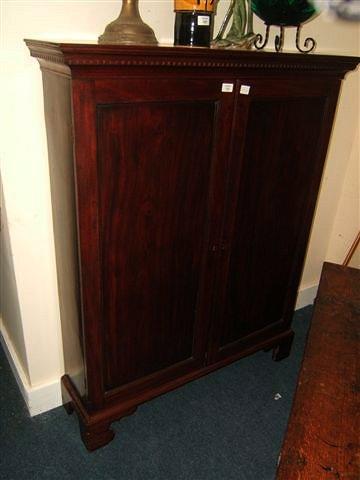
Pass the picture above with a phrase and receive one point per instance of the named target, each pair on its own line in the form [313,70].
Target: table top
[322,440]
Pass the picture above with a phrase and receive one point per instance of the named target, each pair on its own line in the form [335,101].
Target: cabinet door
[281,135]
[158,190]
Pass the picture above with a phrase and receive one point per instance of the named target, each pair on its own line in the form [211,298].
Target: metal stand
[309,43]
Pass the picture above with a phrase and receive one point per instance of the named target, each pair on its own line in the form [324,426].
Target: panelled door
[275,173]
[161,158]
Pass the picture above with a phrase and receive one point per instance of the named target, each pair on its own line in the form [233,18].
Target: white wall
[30,308]
[347,219]
[343,157]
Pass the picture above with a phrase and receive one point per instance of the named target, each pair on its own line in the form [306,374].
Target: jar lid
[197,5]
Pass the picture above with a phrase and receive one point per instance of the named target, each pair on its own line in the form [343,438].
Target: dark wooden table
[322,440]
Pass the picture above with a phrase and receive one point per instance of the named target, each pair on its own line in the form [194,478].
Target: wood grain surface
[322,441]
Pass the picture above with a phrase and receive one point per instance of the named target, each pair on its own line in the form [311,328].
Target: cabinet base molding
[95,423]
[96,436]
[282,350]
[94,426]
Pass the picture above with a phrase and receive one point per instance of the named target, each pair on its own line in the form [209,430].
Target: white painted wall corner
[306,296]
[38,399]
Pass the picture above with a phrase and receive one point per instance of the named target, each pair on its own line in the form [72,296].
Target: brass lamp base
[128,28]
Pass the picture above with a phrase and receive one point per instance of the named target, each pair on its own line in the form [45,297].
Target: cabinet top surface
[83,54]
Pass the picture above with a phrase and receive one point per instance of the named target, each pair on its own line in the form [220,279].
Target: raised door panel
[158,165]
[265,236]
[153,195]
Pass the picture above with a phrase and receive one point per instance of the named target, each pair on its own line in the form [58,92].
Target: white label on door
[244,89]
[227,87]
[203,20]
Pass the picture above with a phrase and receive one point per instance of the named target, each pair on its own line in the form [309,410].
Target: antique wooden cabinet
[196,176]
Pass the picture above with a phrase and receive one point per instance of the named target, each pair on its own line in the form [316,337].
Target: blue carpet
[225,426]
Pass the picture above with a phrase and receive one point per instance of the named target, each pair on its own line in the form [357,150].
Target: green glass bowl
[283,12]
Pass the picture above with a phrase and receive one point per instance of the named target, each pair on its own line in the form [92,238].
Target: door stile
[228,216]
[212,260]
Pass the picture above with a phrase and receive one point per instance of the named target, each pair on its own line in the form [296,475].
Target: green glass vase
[284,13]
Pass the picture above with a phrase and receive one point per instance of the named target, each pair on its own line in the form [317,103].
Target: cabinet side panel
[275,187]
[58,117]
[154,169]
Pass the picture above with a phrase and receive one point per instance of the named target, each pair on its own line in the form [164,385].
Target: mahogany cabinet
[184,183]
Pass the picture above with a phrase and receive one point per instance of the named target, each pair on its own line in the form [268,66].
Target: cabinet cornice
[78,55]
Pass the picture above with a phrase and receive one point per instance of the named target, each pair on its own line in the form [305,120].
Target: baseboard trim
[38,399]
[306,296]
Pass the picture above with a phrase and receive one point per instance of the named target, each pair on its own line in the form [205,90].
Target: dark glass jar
[193,28]
[193,22]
